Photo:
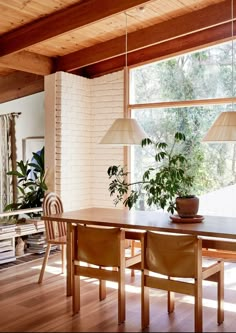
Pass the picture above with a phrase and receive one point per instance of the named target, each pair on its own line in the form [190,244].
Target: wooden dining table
[217,232]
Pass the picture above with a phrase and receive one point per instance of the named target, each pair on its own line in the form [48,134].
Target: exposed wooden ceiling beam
[180,26]
[38,64]
[28,62]
[19,84]
[73,17]
[161,51]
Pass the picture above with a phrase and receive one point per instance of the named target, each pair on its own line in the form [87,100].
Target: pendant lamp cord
[126,84]
[232,31]
[126,41]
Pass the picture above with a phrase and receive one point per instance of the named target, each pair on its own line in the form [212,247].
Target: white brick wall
[83,111]
[106,105]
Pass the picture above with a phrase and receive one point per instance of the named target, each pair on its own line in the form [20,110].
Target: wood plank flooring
[26,306]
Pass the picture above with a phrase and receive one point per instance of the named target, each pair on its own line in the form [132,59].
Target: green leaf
[146,142]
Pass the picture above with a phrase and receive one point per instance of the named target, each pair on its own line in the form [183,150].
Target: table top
[211,226]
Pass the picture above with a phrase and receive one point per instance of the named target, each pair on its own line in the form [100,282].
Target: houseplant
[171,178]
[30,183]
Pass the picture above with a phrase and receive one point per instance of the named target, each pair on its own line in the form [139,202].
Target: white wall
[31,121]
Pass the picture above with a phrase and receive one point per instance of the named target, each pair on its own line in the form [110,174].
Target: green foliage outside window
[200,75]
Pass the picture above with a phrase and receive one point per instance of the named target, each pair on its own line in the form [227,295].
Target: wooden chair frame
[215,273]
[55,231]
[86,249]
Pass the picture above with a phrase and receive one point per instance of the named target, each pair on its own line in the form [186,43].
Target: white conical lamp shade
[223,129]
[124,131]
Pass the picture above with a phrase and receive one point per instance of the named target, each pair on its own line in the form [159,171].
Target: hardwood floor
[29,307]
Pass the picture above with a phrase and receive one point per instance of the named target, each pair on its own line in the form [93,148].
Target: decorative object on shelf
[20,246]
[224,127]
[31,184]
[160,185]
[124,131]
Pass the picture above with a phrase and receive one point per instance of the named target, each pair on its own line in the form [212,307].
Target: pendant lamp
[224,127]
[124,131]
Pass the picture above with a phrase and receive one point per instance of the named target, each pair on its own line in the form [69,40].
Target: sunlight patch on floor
[114,285]
[51,269]
[209,303]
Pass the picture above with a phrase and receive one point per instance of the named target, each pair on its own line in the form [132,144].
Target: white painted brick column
[78,112]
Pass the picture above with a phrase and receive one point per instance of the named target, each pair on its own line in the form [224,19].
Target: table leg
[69,284]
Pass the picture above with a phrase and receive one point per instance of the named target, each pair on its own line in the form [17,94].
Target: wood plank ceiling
[88,37]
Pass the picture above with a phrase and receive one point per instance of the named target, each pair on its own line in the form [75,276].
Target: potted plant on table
[167,185]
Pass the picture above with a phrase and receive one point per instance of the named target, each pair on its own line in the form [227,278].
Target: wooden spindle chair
[55,231]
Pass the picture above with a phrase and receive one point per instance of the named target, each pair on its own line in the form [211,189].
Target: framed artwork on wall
[31,145]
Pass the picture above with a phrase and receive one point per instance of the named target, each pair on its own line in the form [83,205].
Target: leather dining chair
[99,253]
[177,260]
[55,231]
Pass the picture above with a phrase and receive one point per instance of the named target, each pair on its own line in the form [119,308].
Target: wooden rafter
[138,40]
[207,26]
[159,33]
[161,51]
[65,20]
[28,62]
[19,84]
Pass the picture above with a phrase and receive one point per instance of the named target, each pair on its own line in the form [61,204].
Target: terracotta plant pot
[187,206]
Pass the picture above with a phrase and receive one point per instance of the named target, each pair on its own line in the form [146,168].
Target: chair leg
[220,295]
[63,256]
[198,309]
[145,316]
[132,254]
[76,295]
[102,290]
[170,301]
[121,301]
[45,261]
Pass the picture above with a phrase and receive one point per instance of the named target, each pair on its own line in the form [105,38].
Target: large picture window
[204,75]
